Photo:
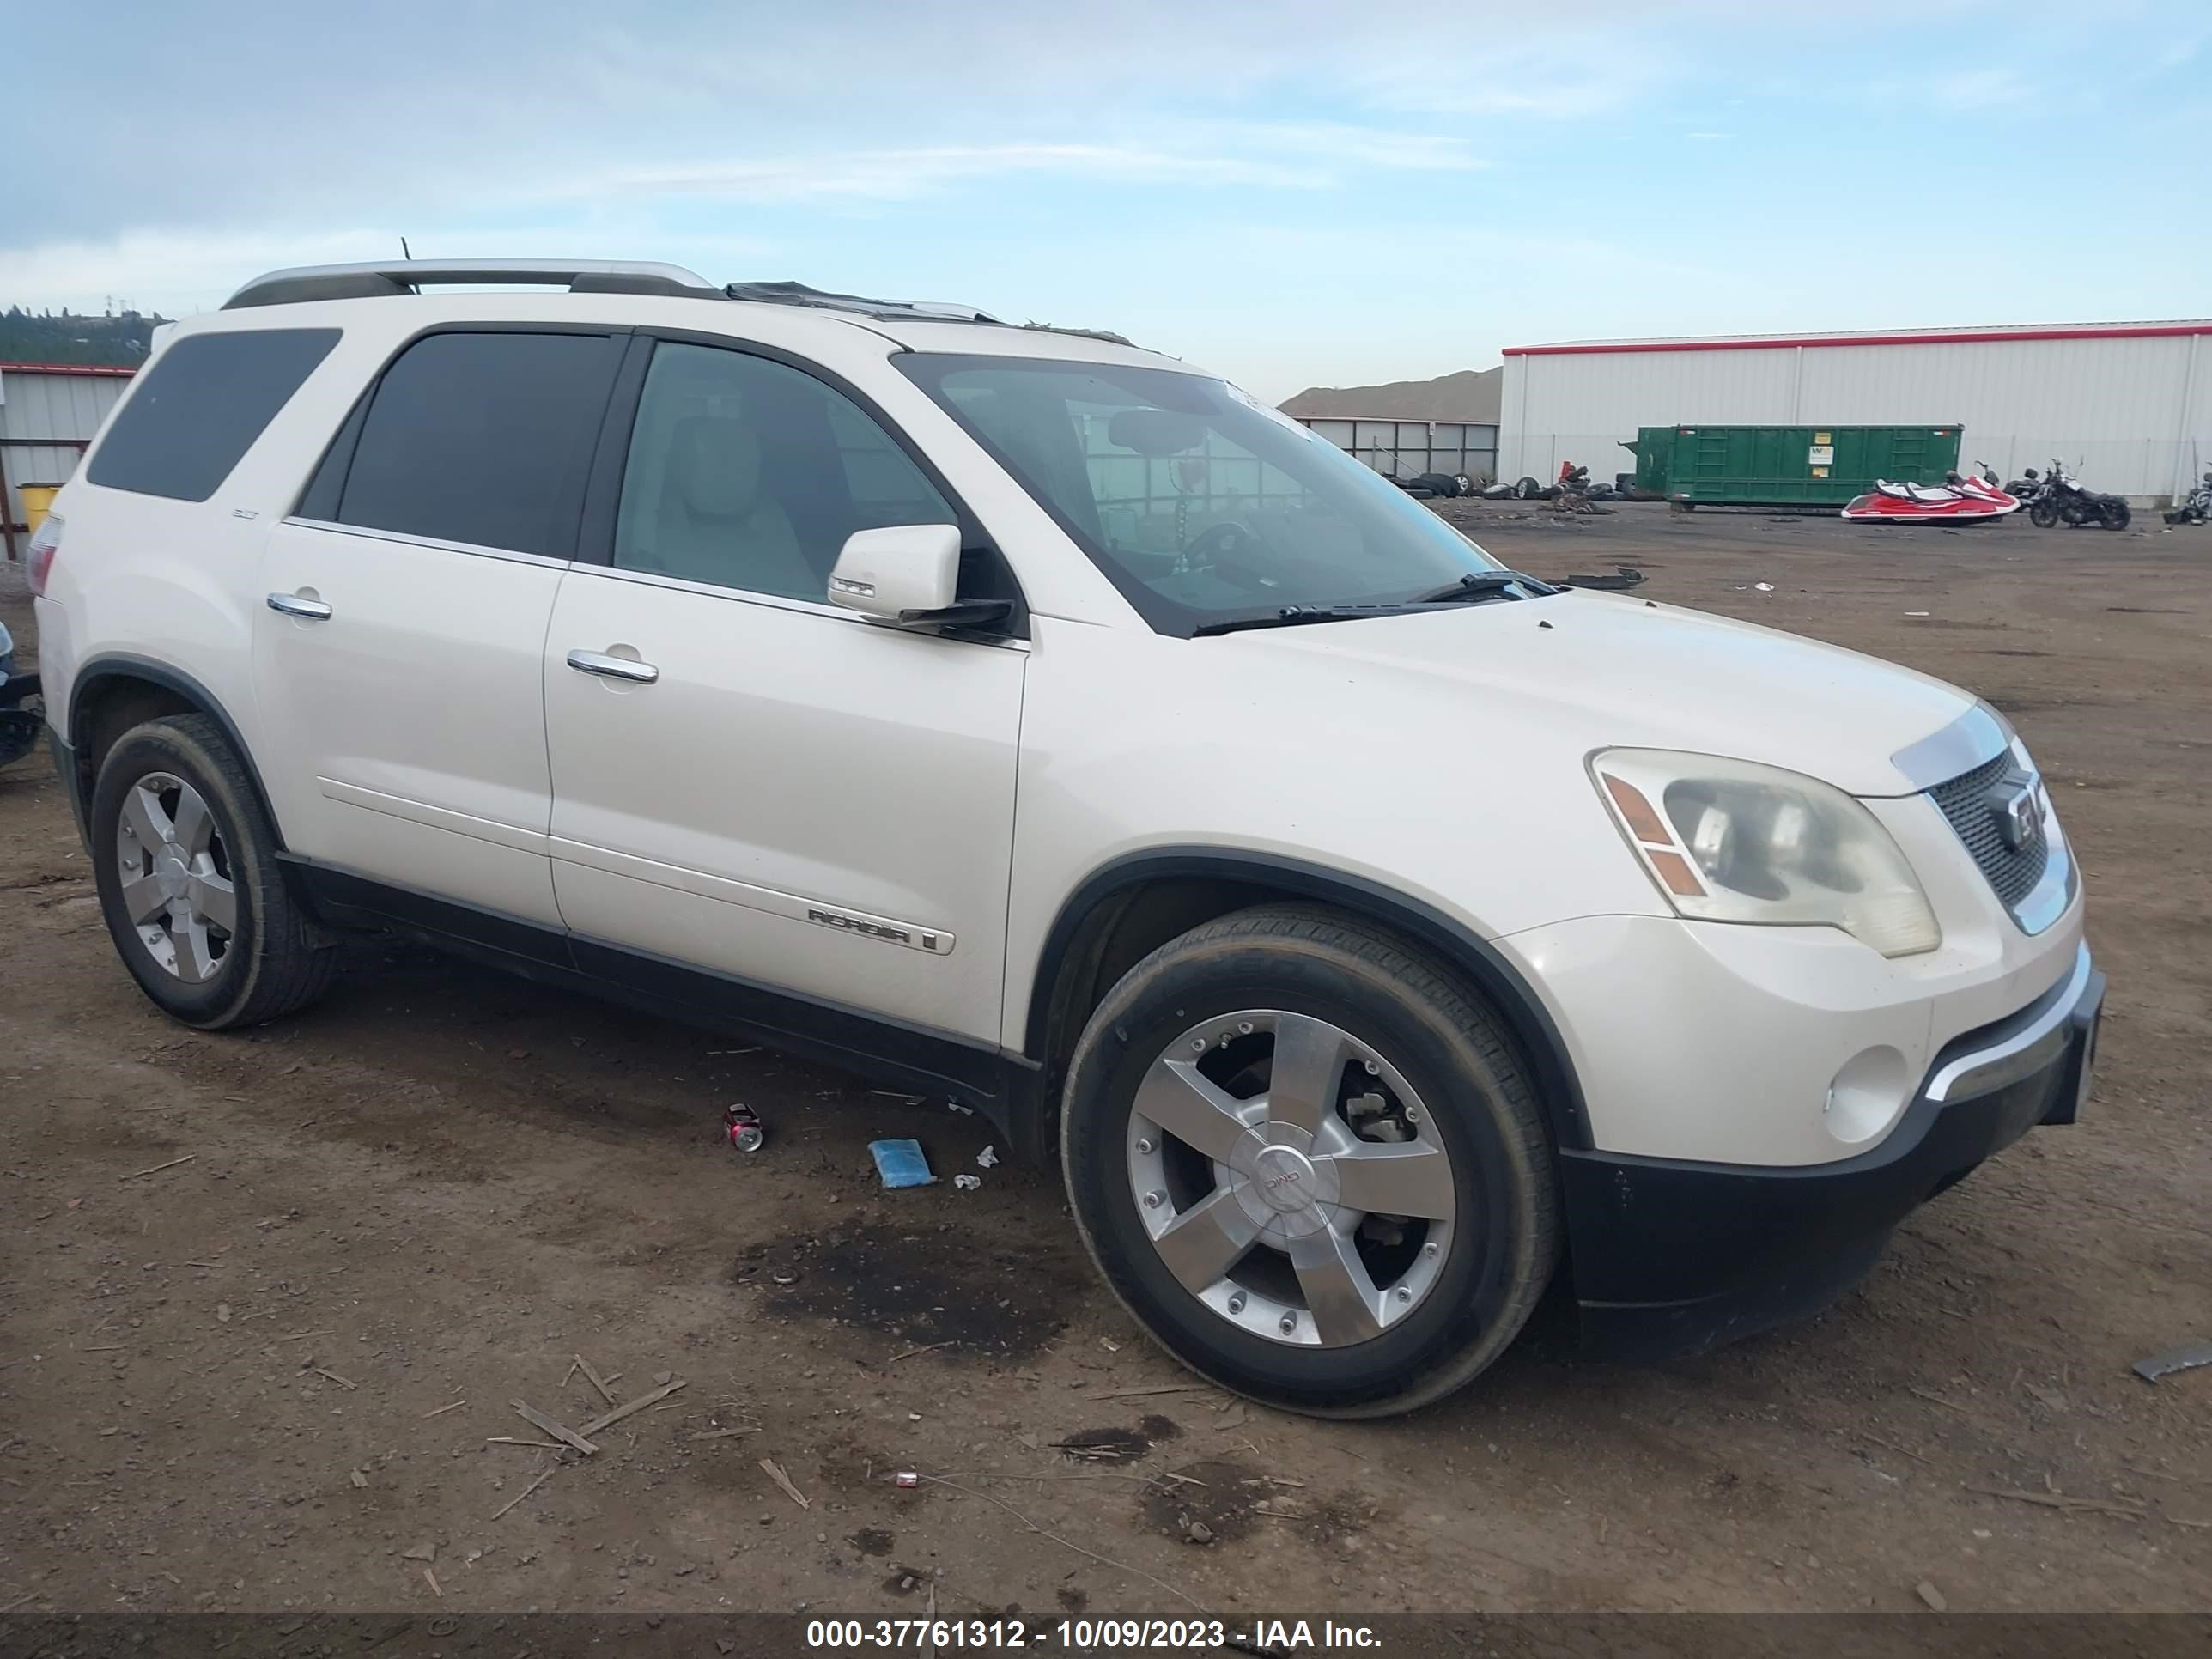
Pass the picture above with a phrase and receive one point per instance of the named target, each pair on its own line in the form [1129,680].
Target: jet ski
[1968,500]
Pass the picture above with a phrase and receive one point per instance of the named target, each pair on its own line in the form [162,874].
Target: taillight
[40,559]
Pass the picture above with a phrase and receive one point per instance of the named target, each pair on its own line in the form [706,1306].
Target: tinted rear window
[483,439]
[200,407]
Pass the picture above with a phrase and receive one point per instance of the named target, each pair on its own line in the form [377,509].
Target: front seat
[716,523]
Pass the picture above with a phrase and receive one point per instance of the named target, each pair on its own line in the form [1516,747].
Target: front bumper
[1670,1257]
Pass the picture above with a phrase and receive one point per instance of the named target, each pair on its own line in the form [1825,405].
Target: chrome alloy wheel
[1290,1179]
[176,876]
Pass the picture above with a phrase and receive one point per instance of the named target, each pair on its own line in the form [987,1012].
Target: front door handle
[613,668]
[293,605]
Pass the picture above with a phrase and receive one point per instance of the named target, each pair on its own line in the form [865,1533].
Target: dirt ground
[267,1298]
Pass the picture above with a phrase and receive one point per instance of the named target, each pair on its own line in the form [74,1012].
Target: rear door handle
[613,668]
[293,605]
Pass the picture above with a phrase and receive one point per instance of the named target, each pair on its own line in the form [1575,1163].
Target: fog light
[1867,1095]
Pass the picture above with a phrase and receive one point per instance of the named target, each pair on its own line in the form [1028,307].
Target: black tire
[2116,514]
[2043,516]
[1525,489]
[275,960]
[1443,483]
[1447,1045]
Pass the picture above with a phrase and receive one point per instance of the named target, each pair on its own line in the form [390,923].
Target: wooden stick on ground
[158,1168]
[537,1419]
[774,1472]
[2061,1501]
[1179,1387]
[542,1478]
[596,1380]
[442,1410]
[654,1398]
[1103,1560]
[908,1353]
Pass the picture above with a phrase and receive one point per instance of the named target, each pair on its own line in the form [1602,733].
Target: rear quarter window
[200,407]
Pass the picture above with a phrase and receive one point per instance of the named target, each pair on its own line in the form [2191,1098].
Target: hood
[1618,670]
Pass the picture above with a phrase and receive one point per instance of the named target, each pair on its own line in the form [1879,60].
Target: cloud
[1961,91]
[1565,77]
[1250,155]
[259,133]
[180,271]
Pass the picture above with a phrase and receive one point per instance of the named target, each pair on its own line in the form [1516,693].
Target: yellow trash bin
[38,502]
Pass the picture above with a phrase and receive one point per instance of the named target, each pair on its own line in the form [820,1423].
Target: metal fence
[1406,449]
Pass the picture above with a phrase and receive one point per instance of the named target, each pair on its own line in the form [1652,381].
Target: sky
[1293,194]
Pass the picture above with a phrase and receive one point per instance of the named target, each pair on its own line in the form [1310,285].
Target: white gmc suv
[1378,936]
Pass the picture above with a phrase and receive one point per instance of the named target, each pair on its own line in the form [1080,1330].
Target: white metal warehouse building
[48,413]
[2127,406]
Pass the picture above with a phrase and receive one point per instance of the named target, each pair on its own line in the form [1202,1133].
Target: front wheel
[1310,1164]
[185,860]
[2043,516]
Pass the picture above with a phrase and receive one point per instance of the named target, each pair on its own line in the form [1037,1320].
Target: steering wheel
[1222,548]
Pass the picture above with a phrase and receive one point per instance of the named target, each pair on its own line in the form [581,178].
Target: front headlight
[1733,840]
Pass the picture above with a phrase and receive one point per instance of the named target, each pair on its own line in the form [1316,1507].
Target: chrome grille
[1965,800]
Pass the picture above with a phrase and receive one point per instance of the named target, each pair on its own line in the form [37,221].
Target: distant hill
[122,340]
[1471,395]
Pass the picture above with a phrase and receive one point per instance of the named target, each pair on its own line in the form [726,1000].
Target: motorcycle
[22,707]
[2195,507]
[1970,499]
[2063,500]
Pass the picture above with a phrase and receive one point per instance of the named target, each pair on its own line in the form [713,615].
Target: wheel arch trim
[1484,965]
[120,664]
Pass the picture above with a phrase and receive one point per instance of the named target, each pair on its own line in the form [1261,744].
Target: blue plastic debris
[900,1162]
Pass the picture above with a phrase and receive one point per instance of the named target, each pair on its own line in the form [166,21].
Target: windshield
[1198,503]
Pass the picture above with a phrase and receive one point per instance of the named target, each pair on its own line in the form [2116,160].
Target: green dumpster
[1787,465]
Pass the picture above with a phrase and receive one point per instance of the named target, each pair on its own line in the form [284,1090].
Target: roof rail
[797,294]
[376,279]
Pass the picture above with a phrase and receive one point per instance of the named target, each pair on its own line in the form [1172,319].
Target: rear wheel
[1310,1164]
[2116,514]
[185,860]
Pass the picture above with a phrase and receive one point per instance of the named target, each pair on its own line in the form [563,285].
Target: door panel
[398,654]
[405,733]
[800,798]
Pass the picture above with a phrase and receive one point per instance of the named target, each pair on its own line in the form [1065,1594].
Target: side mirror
[908,574]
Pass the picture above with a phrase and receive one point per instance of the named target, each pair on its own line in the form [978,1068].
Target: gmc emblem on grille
[2012,804]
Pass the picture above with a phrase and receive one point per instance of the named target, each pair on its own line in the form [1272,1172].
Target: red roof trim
[2128,332]
[65,369]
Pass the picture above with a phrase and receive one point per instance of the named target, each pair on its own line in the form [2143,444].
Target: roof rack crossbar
[377,280]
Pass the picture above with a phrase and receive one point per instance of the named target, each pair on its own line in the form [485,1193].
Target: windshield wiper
[1482,584]
[1295,616]
[1475,585]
